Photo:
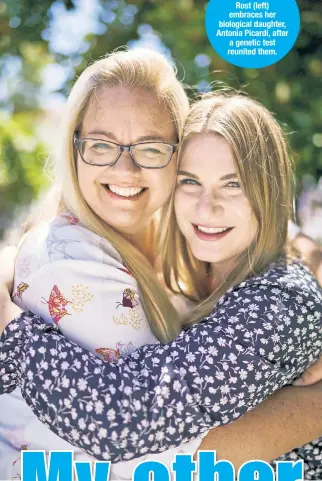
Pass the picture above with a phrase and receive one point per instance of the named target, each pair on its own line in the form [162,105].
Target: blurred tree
[291,88]
[23,56]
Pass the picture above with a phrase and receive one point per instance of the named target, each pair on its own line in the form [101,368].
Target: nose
[208,206]
[125,164]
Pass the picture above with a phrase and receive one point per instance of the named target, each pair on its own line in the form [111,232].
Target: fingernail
[298,382]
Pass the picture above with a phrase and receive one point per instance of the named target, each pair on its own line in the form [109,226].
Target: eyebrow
[144,138]
[193,176]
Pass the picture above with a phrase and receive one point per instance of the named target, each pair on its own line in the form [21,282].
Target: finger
[311,376]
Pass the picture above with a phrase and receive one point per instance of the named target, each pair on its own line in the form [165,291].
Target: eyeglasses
[148,155]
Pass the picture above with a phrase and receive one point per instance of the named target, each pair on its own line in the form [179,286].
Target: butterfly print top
[74,280]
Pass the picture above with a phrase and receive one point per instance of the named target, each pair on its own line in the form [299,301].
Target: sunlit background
[44,45]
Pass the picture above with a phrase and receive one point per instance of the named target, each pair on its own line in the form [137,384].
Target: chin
[210,257]
[201,255]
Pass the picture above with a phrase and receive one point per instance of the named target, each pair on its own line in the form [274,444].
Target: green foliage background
[291,88]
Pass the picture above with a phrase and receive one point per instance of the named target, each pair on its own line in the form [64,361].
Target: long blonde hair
[138,68]
[264,167]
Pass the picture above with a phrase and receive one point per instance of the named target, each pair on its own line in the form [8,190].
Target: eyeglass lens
[154,154]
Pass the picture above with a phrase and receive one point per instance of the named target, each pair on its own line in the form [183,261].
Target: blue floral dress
[261,336]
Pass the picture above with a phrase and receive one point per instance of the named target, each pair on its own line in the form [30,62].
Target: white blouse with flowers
[75,280]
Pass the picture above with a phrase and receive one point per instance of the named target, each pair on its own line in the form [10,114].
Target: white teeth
[212,230]
[125,191]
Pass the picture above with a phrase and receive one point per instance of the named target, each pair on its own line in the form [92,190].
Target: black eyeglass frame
[123,148]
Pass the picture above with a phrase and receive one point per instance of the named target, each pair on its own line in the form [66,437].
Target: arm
[289,418]
[164,396]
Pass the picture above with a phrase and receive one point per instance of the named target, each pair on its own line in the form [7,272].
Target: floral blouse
[261,336]
[76,280]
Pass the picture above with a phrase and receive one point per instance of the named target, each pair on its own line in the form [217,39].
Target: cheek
[162,181]
[179,211]
[183,207]
[177,204]
[170,173]
[253,226]
[86,177]
[240,207]
[246,218]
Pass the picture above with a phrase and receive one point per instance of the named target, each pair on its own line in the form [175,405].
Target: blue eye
[101,146]
[234,184]
[152,151]
[188,182]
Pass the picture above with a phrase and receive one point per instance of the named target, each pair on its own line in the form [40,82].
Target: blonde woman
[115,169]
[168,436]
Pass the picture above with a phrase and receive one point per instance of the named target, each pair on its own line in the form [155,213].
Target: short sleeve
[77,281]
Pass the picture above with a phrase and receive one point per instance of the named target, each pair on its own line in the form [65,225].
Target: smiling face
[124,195]
[212,211]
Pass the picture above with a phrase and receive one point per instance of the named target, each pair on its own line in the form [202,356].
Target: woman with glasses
[89,271]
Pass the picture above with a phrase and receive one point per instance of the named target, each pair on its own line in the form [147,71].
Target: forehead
[117,108]
[208,154]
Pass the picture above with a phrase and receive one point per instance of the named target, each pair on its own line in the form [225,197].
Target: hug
[161,296]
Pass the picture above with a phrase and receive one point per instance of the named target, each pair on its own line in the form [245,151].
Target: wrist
[8,310]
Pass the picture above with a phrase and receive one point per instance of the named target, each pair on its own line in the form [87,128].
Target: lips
[122,192]
[211,233]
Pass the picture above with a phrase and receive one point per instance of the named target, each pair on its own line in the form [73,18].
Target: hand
[7,262]
[8,310]
[311,376]
[311,253]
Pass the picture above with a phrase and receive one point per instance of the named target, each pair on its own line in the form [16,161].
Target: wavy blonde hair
[138,68]
[265,170]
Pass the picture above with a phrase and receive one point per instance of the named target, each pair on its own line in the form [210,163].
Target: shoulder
[276,313]
[285,297]
[66,243]
[66,238]
[292,279]
[67,230]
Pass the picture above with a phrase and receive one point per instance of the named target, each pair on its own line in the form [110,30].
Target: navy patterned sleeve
[262,334]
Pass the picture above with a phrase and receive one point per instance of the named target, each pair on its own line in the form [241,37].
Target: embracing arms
[162,396]
[289,418]
[285,420]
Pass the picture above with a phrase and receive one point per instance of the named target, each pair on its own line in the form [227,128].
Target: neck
[219,271]
[144,242]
